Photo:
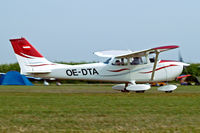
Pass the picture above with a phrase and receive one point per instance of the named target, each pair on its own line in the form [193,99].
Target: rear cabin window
[152,58]
[138,60]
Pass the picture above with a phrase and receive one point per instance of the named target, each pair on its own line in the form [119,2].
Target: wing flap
[39,71]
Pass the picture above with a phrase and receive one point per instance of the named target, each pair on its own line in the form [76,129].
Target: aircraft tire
[139,91]
[168,91]
[124,91]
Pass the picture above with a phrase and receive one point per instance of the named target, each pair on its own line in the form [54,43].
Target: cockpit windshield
[107,61]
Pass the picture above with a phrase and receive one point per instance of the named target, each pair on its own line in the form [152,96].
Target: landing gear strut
[125,90]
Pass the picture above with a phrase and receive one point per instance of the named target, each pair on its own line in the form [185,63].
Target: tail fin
[28,57]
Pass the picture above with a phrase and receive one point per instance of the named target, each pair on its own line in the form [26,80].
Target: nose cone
[173,68]
[185,64]
[176,70]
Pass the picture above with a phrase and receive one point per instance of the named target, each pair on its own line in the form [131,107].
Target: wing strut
[155,64]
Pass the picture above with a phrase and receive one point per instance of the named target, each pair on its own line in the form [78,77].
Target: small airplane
[122,66]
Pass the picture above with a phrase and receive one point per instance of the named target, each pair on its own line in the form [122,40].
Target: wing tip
[167,47]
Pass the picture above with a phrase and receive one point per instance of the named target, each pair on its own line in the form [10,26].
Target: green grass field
[97,108]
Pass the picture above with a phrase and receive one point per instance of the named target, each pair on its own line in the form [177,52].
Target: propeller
[180,58]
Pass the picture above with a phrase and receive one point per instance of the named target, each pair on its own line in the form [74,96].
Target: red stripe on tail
[23,48]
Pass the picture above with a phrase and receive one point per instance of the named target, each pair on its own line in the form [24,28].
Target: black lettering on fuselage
[84,71]
[95,72]
[74,71]
[69,72]
[88,71]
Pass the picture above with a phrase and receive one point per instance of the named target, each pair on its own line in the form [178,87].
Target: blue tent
[14,78]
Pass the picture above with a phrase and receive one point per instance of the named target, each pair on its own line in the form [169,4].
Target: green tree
[9,67]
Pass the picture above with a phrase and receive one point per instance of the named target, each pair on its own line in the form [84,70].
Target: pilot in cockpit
[152,59]
[117,62]
[136,61]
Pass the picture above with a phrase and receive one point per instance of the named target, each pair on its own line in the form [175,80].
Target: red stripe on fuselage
[163,61]
[119,70]
[160,68]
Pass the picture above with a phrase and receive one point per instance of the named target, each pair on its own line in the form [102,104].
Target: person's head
[136,58]
[117,62]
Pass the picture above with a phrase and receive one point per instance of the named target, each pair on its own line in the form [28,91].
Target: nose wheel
[168,91]
[167,88]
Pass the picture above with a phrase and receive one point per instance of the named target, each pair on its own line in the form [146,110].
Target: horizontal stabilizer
[37,71]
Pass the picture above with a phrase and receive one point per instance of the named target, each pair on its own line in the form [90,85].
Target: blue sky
[64,30]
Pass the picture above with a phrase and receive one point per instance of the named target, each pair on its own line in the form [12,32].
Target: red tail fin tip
[23,48]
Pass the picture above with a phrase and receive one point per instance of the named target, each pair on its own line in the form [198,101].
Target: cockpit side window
[120,62]
[152,58]
[138,60]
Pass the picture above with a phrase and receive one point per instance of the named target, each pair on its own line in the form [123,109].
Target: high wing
[112,53]
[147,51]
[129,53]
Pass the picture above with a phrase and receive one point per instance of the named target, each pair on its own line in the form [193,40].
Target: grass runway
[98,108]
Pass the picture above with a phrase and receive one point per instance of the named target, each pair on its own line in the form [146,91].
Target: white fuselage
[122,66]
[165,71]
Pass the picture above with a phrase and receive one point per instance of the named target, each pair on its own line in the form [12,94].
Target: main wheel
[168,91]
[124,91]
[139,91]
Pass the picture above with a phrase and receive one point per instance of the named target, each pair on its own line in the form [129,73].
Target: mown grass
[97,108]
